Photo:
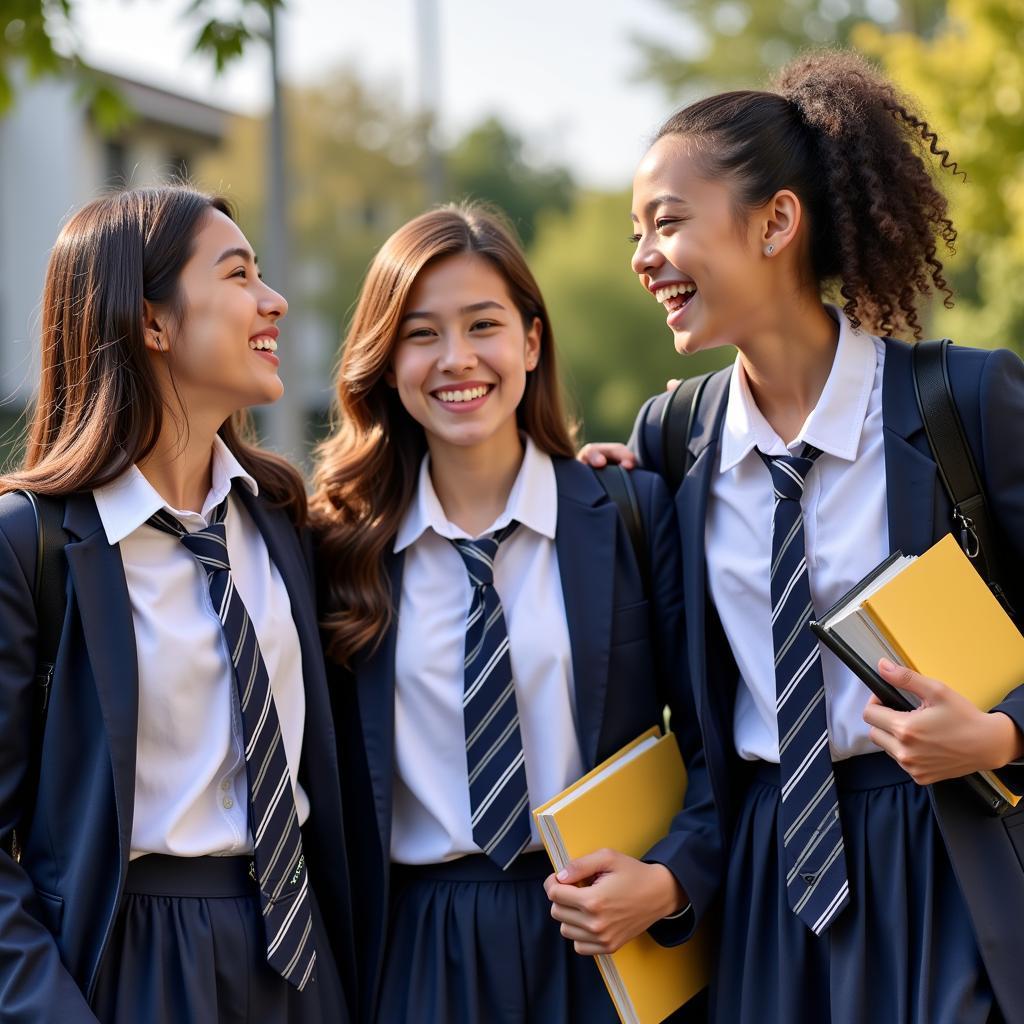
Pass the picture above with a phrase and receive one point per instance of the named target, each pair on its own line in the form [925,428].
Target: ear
[154,328]
[533,342]
[780,221]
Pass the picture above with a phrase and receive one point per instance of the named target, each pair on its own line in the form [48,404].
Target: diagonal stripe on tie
[817,888]
[498,795]
[282,880]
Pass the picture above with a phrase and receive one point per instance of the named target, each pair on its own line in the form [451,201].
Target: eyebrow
[659,201]
[475,307]
[238,252]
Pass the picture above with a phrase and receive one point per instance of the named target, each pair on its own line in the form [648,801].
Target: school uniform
[135,897]
[932,931]
[448,936]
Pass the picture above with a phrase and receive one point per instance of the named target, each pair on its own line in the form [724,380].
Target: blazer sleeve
[692,850]
[35,987]
[1001,405]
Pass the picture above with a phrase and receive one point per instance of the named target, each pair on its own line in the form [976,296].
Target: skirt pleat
[902,952]
[469,944]
[189,947]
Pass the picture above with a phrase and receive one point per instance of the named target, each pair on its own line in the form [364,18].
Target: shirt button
[228,802]
[225,785]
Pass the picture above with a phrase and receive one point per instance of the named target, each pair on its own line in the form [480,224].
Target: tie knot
[209,545]
[789,472]
[478,555]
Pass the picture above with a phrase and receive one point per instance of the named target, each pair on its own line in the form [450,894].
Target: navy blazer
[626,650]
[59,904]
[987,852]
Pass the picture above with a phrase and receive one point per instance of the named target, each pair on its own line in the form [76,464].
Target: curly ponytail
[854,150]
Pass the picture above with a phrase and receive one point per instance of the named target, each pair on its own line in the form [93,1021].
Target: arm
[35,987]
[628,896]
[948,737]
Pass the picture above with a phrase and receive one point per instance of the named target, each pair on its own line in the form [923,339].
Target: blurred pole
[428,47]
[284,419]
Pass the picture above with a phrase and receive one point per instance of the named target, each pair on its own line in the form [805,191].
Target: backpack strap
[677,418]
[49,593]
[618,485]
[955,461]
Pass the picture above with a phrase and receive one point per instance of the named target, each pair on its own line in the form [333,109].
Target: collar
[835,423]
[127,502]
[532,502]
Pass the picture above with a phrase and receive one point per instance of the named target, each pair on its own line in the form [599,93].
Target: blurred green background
[357,166]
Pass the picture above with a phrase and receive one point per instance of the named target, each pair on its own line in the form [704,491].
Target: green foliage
[488,163]
[40,35]
[969,80]
[614,345]
[735,43]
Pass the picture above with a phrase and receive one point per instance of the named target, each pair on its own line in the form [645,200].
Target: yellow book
[941,620]
[627,803]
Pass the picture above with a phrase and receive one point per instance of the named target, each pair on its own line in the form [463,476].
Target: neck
[787,362]
[180,466]
[473,484]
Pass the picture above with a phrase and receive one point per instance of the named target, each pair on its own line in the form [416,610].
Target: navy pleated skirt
[902,952]
[189,947]
[471,944]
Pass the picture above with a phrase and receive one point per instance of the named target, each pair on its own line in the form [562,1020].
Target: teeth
[674,289]
[466,395]
[263,344]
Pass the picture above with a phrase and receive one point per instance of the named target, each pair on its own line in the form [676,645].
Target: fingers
[582,868]
[672,384]
[881,717]
[929,690]
[600,453]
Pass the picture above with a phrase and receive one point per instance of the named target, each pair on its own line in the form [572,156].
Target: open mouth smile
[463,399]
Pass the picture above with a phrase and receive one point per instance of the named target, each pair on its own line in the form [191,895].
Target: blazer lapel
[585,537]
[692,507]
[910,473]
[100,595]
[375,681]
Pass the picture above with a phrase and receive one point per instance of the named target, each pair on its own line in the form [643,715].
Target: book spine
[989,791]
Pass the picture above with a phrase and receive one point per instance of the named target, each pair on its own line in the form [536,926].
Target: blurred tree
[488,163]
[614,344]
[735,43]
[41,35]
[969,80]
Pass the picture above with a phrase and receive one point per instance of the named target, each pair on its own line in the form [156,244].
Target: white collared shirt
[191,794]
[845,530]
[431,815]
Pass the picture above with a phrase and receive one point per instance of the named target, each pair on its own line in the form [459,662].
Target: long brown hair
[99,407]
[367,469]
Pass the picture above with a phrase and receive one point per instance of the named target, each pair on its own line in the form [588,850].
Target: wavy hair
[367,469]
[856,152]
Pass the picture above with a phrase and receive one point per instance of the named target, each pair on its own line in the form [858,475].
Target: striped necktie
[279,865]
[498,795]
[816,880]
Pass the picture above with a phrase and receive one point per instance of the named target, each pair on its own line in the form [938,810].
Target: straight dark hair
[99,407]
[838,134]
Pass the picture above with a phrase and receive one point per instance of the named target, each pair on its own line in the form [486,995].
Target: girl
[856,885]
[486,595]
[187,791]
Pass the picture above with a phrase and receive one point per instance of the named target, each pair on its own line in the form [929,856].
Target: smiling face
[223,347]
[462,355]
[693,254]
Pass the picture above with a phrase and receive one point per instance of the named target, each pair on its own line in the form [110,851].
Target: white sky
[560,71]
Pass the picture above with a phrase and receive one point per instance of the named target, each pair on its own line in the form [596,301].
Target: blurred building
[53,159]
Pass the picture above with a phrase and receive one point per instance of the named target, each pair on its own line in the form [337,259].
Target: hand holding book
[606,898]
[946,737]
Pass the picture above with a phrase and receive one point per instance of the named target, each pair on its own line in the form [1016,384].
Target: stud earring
[769,249]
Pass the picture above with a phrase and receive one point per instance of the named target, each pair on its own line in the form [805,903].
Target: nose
[457,353]
[646,257]
[272,304]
